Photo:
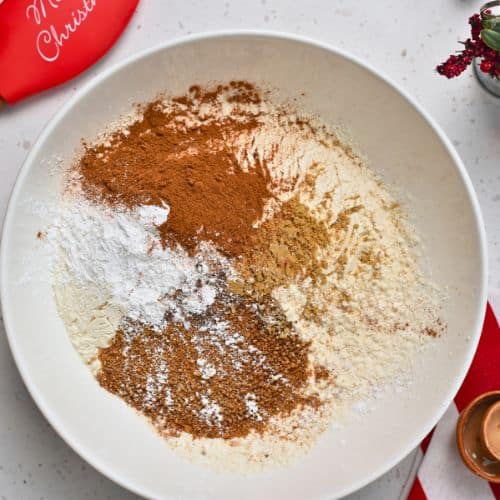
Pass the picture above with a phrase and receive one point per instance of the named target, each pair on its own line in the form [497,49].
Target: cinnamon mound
[188,156]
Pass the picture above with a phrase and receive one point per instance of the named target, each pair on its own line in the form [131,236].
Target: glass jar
[491,84]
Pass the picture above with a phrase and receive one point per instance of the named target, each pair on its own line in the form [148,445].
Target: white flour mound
[111,263]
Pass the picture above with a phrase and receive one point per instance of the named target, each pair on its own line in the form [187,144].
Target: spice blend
[236,274]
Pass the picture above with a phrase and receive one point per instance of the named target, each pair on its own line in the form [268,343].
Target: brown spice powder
[186,157]
[282,249]
[250,366]
[321,373]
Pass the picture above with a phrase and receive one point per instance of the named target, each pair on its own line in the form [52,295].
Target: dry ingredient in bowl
[237,275]
[184,154]
[223,377]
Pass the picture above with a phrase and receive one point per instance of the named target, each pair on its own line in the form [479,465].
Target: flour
[121,254]
[286,440]
[211,411]
[90,320]
[207,370]
[252,406]
[111,264]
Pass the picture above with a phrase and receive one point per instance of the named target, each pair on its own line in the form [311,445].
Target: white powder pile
[113,262]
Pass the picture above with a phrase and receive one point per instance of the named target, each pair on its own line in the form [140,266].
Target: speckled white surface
[403,39]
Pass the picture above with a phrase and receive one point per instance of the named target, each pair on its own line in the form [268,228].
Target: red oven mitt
[46,42]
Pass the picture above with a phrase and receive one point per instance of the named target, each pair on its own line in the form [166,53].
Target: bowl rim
[58,425]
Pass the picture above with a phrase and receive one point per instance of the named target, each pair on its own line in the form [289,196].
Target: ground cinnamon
[189,158]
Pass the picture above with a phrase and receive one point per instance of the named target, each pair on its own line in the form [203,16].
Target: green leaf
[491,39]
[492,24]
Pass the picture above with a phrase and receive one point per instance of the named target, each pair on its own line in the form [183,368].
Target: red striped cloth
[442,475]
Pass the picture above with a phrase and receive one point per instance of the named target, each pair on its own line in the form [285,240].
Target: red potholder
[46,42]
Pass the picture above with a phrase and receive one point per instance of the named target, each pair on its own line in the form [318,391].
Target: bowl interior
[400,144]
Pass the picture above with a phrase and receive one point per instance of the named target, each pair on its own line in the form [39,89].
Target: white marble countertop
[405,40]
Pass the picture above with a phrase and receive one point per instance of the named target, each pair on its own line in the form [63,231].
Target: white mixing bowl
[402,143]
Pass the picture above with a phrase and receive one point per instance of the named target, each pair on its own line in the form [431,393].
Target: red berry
[486,66]
[473,47]
[475,23]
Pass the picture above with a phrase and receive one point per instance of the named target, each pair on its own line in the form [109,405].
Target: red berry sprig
[484,44]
